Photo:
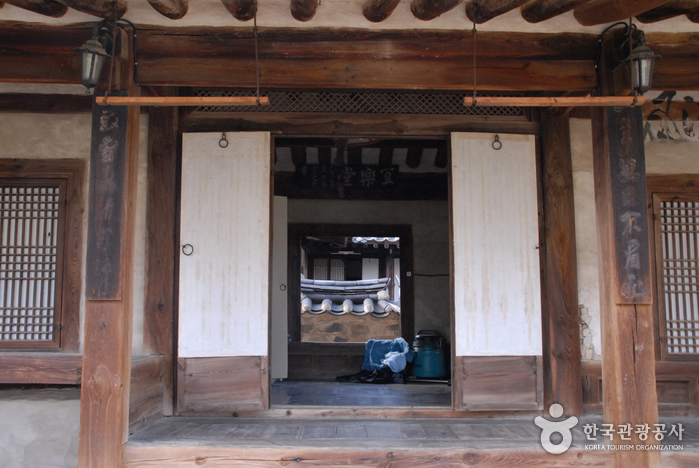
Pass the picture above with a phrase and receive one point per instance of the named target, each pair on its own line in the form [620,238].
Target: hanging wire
[631,65]
[257,58]
[473,35]
[599,54]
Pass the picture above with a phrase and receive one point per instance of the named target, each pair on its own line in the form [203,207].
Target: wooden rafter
[669,10]
[480,11]
[536,11]
[180,101]
[173,9]
[101,8]
[589,101]
[50,8]
[607,11]
[242,10]
[303,10]
[377,11]
[427,10]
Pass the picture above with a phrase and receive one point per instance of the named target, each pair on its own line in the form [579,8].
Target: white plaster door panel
[224,271]
[497,296]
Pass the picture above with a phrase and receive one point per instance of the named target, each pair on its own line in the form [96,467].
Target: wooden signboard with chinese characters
[349,176]
[628,184]
[107,172]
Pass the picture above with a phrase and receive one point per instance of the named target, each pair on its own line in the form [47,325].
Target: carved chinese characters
[106,209]
[628,180]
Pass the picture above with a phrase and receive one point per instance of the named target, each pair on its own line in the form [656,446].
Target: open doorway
[365,262]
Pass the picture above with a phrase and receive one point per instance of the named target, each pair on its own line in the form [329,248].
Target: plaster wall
[39,428]
[67,136]
[663,156]
[430,222]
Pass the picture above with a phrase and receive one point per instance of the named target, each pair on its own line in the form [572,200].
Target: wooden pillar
[561,316]
[162,241]
[628,358]
[104,398]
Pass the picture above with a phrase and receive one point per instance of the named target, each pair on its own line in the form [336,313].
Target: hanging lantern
[642,66]
[93,56]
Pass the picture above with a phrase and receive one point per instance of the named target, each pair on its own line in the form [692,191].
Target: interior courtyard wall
[430,228]
[663,156]
[45,423]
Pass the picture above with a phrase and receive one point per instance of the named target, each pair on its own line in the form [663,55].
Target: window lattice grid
[680,242]
[29,223]
[337,269]
[359,103]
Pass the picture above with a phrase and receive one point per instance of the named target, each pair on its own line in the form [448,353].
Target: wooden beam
[304,10]
[669,10]
[565,101]
[377,11]
[536,11]
[101,8]
[105,385]
[560,315]
[146,399]
[480,11]
[160,305]
[242,10]
[624,264]
[50,8]
[427,10]
[173,9]
[40,368]
[607,11]
[177,101]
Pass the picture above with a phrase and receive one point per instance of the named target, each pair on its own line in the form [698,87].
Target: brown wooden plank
[73,171]
[377,11]
[147,392]
[427,10]
[561,356]
[353,125]
[138,456]
[500,382]
[162,241]
[607,11]
[627,329]
[100,8]
[304,10]
[536,11]
[50,8]
[480,11]
[669,10]
[242,10]
[40,368]
[108,324]
[172,9]
[214,384]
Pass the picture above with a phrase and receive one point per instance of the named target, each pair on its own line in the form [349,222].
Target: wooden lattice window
[677,271]
[41,218]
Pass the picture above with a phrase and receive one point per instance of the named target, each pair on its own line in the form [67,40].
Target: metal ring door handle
[187,249]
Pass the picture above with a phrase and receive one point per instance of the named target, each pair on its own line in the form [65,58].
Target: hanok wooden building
[150,263]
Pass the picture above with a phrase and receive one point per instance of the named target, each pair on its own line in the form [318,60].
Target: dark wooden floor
[292,393]
[274,442]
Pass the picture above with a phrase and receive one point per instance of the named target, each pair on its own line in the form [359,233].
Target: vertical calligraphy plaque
[628,181]
[106,204]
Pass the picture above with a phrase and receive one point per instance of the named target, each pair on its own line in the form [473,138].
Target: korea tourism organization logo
[619,436]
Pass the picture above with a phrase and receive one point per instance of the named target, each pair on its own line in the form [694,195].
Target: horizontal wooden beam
[427,10]
[607,11]
[669,10]
[536,11]
[173,9]
[242,10]
[590,101]
[50,8]
[181,101]
[480,11]
[100,8]
[40,368]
